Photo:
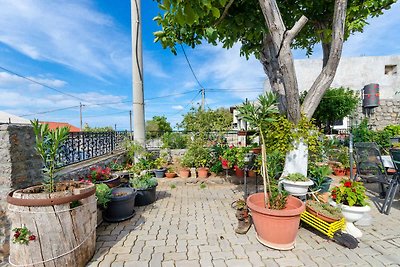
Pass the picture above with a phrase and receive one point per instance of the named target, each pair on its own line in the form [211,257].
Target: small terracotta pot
[202,172]
[339,171]
[184,173]
[170,174]
[239,172]
[276,229]
[252,174]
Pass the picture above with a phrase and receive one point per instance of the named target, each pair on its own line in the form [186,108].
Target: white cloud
[178,107]
[69,33]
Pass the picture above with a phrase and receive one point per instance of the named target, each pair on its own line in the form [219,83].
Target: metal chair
[370,167]
[394,183]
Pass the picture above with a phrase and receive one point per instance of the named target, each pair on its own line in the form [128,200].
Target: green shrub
[143,181]
[103,194]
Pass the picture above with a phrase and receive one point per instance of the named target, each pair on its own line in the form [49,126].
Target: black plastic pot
[160,173]
[324,186]
[145,196]
[120,208]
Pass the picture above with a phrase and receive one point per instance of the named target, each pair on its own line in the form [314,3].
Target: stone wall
[387,113]
[20,167]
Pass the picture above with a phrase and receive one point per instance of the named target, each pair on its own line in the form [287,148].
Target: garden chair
[394,183]
[370,167]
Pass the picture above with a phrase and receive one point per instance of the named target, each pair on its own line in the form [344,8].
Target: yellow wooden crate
[328,229]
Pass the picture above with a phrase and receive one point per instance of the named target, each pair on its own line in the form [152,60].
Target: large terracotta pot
[276,229]
[202,172]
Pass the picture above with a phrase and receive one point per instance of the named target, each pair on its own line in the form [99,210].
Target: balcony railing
[82,146]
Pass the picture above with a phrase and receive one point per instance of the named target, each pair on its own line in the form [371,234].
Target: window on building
[390,69]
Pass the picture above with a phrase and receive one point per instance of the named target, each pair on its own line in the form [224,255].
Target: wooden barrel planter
[63,225]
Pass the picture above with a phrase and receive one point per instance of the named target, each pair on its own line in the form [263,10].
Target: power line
[191,102]
[49,111]
[157,97]
[190,66]
[109,114]
[39,83]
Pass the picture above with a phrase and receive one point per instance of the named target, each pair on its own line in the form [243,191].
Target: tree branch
[224,13]
[325,78]
[292,33]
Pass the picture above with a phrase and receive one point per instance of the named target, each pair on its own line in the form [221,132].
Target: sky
[73,52]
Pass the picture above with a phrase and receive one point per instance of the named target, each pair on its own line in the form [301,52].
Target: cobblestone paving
[191,226]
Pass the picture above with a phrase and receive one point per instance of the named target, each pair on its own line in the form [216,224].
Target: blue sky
[83,48]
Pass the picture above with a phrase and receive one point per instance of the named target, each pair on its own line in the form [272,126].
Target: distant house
[54,125]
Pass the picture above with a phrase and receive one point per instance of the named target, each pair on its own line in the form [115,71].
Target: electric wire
[190,66]
[42,84]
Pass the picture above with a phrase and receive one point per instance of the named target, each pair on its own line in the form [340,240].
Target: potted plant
[118,169]
[99,174]
[103,195]
[228,157]
[160,170]
[240,161]
[350,197]
[145,186]
[319,175]
[170,172]
[324,211]
[276,216]
[121,205]
[58,215]
[338,169]
[296,184]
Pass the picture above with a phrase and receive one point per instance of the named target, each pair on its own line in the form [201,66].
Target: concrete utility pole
[137,74]
[203,98]
[130,123]
[80,114]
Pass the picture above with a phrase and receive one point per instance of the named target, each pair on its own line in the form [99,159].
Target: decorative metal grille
[82,146]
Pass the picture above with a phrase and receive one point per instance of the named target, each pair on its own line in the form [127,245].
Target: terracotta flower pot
[339,171]
[239,172]
[184,173]
[170,174]
[202,172]
[252,174]
[276,229]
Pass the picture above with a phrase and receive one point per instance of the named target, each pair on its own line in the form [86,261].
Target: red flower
[333,196]
[347,184]
[17,234]
[32,237]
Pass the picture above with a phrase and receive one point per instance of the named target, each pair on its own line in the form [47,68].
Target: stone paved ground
[190,226]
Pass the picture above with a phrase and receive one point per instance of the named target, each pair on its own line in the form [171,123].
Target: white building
[353,73]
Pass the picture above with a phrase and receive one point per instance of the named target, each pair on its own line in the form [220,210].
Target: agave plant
[259,115]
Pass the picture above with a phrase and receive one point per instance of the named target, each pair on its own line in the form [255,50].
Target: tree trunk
[277,59]
[325,78]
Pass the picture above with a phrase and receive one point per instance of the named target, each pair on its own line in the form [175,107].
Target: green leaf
[215,12]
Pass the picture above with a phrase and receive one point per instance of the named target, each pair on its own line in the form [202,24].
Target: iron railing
[82,146]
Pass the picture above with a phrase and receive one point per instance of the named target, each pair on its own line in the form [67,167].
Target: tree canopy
[229,22]
[198,120]
[336,104]
[157,126]
[269,29]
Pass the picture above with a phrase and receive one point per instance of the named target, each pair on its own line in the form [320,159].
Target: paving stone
[117,264]
[222,255]
[238,263]
[108,259]
[176,256]
[289,262]
[136,264]
[195,227]
[187,263]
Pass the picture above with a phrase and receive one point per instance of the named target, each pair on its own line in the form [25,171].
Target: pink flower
[32,237]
